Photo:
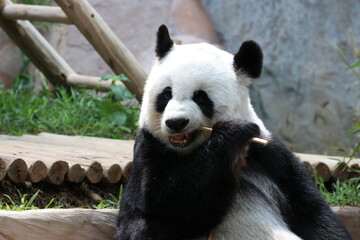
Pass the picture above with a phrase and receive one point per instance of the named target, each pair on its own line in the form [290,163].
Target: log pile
[57,158]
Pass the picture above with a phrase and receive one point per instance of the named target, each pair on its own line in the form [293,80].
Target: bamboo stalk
[255,139]
[35,13]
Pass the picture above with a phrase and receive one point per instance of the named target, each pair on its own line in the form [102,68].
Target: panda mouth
[181,139]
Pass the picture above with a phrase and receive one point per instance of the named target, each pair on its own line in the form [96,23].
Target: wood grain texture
[35,13]
[85,224]
[68,158]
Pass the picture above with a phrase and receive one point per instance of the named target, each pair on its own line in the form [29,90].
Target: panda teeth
[179,138]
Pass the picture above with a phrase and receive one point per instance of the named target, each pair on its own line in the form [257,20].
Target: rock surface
[308,95]
[10,63]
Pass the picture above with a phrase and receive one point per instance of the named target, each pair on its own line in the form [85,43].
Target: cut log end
[57,172]
[17,171]
[75,174]
[112,174]
[2,169]
[37,171]
[94,173]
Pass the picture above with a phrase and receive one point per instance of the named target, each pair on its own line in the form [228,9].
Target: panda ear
[163,42]
[249,59]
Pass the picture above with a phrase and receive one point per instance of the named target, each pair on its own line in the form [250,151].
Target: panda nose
[177,124]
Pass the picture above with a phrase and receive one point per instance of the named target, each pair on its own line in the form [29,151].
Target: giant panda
[191,184]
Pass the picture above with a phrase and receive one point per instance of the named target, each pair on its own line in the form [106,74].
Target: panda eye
[200,96]
[167,94]
[162,99]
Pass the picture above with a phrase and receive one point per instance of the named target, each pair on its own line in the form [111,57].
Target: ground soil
[66,195]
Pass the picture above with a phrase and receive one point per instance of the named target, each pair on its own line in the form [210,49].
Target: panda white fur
[186,183]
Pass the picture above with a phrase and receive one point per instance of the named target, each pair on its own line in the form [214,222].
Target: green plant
[70,112]
[345,193]
[113,203]
[23,203]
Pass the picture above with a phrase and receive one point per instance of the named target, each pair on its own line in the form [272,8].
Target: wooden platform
[57,158]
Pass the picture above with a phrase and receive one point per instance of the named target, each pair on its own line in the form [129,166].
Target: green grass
[24,203]
[345,193]
[113,203]
[70,112]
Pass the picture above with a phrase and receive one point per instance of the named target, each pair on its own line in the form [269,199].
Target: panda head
[197,85]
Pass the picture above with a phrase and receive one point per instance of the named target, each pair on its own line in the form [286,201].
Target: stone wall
[305,89]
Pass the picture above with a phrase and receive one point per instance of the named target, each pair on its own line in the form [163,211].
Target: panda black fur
[184,186]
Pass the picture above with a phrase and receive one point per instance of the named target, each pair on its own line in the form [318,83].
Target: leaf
[356,64]
[107,77]
[119,118]
[338,149]
[107,107]
[118,92]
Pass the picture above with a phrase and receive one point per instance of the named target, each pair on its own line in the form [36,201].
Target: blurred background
[307,94]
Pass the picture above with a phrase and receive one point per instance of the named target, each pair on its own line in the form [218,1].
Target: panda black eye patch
[162,99]
[201,98]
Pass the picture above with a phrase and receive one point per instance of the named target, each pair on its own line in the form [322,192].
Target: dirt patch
[66,195]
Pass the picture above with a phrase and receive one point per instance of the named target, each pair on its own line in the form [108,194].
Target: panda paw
[235,131]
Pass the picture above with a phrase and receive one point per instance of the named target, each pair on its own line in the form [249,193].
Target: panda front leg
[302,207]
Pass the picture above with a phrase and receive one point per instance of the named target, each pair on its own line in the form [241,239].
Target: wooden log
[35,13]
[16,169]
[94,172]
[58,224]
[74,79]
[112,174]
[36,47]
[37,171]
[2,168]
[84,224]
[106,43]
[76,173]
[308,167]
[322,171]
[354,170]
[126,167]
[57,171]
[340,170]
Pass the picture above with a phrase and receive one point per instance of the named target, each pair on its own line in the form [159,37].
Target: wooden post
[35,13]
[106,43]
[36,47]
